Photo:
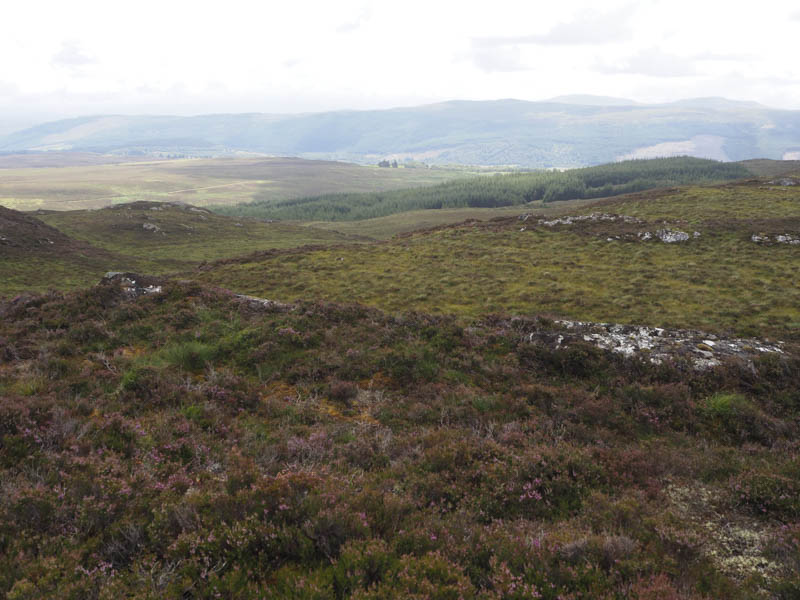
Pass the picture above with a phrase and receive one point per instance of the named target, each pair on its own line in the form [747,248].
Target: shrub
[736,417]
[431,576]
[362,564]
[190,356]
[342,391]
[767,495]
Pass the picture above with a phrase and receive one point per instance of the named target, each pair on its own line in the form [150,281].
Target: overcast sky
[170,56]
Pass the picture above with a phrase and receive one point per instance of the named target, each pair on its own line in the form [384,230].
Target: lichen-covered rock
[668,236]
[594,217]
[133,285]
[781,238]
[671,236]
[151,227]
[702,350]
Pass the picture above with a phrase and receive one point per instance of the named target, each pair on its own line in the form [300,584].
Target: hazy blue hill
[562,132]
[590,100]
[717,103]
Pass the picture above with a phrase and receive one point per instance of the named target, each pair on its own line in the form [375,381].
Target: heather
[191,443]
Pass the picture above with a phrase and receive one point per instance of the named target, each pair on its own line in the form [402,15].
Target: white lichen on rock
[594,218]
[131,284]
[781,238]
[656,344]
[670,236]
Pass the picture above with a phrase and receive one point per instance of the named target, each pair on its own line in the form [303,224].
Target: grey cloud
[357,23]
[8,89]
[589,28]
[498,60]
[722,57]
[72,56]
[652,62]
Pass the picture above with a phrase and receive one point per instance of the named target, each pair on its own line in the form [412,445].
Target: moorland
[412,405]
[67,182]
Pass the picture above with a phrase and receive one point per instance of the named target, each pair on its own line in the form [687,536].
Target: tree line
[499,190]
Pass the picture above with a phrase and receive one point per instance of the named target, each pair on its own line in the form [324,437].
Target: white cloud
[72,56]
[503,59]
[360,21]
[589,27]
[319,55]
[715,56]
[652,62]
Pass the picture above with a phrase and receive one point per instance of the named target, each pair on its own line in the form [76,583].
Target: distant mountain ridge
[567,131]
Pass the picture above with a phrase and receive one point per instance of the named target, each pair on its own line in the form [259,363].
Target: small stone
[671,236]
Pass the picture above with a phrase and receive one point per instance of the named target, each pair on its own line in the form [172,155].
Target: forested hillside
[500,190]
[544,134]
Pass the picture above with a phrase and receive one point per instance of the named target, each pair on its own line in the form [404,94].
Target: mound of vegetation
[187,443]
[178,232]
[37,256]
[22,233]
[72,249]
[500,190]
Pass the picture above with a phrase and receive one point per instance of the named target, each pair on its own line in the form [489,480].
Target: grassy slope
[186,234]
[383,228]
[764,167]
[116,241]
[721,281]
[189,445]
[113,239]
[199,182]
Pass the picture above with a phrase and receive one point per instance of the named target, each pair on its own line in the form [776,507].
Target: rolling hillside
[565,132]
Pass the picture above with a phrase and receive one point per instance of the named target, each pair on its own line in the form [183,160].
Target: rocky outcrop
[621,230]
[668,236]
[133,285]
[592,218]
[656,344]
[781,238]
[262,303]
